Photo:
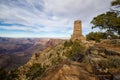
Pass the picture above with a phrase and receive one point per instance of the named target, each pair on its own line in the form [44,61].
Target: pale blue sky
[47,18]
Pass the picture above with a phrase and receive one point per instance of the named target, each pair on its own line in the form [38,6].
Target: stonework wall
[77,32]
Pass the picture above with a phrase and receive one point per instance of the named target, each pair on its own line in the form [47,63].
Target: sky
[48,18]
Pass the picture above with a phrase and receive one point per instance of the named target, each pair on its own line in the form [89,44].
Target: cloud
[50,15]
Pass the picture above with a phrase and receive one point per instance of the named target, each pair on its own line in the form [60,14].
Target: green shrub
[3,74]
[68,43]
[104,64]
[114,62]
[36,70]
[76,48]
[110,63]
[97,36]
[13,74]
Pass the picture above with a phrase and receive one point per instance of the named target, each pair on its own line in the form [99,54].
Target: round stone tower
[77,32]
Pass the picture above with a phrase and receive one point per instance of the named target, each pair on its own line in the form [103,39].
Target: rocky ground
[104,58]
[60,62]
[68,70]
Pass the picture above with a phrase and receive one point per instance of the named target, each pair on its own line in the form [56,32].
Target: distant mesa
[77,32]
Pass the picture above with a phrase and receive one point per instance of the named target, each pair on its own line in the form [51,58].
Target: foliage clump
[109,21]
[97,36]
[68,43]
[3,74]
[36,70]
[110,63]
[11,75]
[74,48]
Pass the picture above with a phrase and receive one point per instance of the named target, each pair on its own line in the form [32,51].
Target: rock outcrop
[58,66]
[68,70]
[53,64]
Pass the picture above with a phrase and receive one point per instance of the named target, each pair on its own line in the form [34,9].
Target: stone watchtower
[77,33]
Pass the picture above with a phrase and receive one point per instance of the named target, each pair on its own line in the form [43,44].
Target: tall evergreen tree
[109,21]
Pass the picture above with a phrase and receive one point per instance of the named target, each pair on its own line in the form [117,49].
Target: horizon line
[37,37]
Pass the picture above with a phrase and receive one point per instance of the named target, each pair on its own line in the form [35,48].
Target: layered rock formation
[68,70]
[53,63]
[59,67]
